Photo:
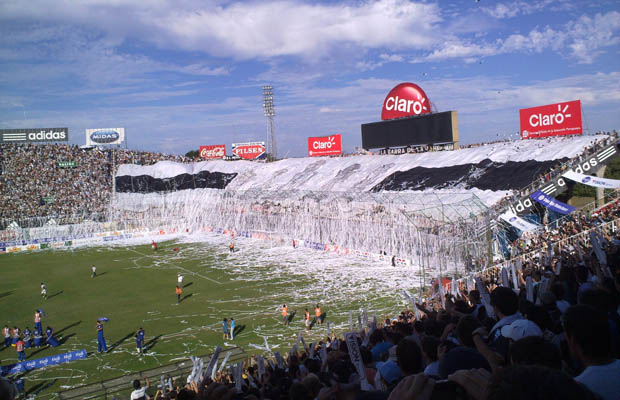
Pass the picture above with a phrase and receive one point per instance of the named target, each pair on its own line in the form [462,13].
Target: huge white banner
[593,180]
[518,222]
[96,137]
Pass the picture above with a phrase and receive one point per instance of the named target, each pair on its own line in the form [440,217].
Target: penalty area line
[179,267]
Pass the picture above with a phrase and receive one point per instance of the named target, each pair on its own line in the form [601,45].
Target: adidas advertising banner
[100,136]
[34,135]
[552,203]
[518,222]
[593,180]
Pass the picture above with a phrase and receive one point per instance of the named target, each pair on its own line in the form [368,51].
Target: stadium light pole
[270,113]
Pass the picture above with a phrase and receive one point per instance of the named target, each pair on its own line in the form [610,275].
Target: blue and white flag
[552,203]
[103,319]
[518,222]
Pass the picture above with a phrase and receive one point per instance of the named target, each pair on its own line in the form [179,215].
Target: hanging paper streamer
[226,357]
[505,280]
[350,321]
[518,222]
[261,368]
[213,360]
[529,289]
[485,297]
[356,359]
[365,317]
[515,277]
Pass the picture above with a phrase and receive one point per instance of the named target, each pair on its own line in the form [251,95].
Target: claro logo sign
[325,145]
[551,120]
[405,100]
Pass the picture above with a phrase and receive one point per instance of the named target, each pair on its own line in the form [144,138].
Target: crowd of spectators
[553,333]
[61,180]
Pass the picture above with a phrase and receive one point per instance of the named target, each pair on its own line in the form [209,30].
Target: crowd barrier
[110,236]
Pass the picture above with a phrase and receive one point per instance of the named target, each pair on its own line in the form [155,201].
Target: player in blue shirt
[225,328]
[101,345]
[232,328]
[140,341]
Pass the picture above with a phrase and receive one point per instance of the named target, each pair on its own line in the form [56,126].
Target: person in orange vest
[20,347]
[317,313]
[231,247]
[285,314]
[178,291]
[307,319]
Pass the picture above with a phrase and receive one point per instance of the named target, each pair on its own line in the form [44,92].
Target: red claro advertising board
[249,150]
[325,145]
[213,151]
[405,100]
[551,120]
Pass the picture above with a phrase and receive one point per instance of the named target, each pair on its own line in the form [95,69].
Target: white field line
[179,267]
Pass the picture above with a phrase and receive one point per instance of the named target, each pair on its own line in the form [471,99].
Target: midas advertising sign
[325,145]
[551,120]
[34,135]
[405,100]
[213,151]
[249,150]
[101,136]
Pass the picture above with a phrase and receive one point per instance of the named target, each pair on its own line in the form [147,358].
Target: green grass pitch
[135,287]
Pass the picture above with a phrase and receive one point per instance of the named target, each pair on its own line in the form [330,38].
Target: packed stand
[551,333]
[61,180]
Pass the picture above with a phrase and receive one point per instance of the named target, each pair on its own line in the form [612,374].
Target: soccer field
[135,287]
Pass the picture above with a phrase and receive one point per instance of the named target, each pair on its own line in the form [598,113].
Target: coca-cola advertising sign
[213,151]
[249,150]
[405,100]
[325,146]
[551,120]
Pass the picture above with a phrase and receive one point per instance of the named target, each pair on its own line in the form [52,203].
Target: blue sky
[182,73]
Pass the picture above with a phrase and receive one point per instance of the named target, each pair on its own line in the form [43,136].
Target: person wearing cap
[520,329]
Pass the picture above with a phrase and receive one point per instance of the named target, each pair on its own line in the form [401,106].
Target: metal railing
[120,387]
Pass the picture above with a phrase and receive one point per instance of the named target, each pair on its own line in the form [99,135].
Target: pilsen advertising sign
[34,135]
[249,150]
[405,100]
[213,152]
[325,146]
[551,120]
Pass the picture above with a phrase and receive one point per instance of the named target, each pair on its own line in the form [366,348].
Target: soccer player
[317,313]
[38,338]
[225,328]
[307,319]
[285,314]
[37,321]
[178,291]
[232,328]
[21,353]
[154,245]
[15,337]
[231,247]
[28,337]
[43,290]
[51,340]
[140,340]
[101,345]
[7,335]
[94,269]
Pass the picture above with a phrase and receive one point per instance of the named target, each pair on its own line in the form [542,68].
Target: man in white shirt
[589,340]
[139,393]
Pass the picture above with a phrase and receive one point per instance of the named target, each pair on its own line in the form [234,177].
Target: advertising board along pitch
[213,152]
[103,136]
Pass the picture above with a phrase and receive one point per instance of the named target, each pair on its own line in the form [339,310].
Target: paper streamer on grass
[356,358]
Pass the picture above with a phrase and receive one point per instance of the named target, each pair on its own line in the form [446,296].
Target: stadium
[416,263]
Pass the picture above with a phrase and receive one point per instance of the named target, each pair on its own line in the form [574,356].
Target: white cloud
[247,30]
[515,8]
[583,39]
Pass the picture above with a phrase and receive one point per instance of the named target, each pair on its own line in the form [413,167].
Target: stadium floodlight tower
[270,113]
